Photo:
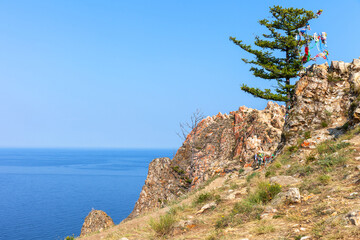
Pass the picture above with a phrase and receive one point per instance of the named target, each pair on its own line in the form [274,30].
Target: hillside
[310,191]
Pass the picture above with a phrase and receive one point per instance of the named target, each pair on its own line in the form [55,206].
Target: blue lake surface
[47,193]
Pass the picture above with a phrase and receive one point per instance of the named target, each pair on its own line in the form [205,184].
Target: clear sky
[123,74]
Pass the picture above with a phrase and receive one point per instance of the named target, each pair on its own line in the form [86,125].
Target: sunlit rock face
[219,144]
[325,99]
[325,102]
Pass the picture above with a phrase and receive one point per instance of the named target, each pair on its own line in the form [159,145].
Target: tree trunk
[288,96]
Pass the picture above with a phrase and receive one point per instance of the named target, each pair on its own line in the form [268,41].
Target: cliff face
[325,103]
[319,190]
[220,144]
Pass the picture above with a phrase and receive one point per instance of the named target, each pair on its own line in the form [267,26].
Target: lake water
[47,193]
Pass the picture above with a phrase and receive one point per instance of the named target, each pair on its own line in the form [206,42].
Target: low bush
[324,124]
[307,135]
[324,179]
[206,197]
[270,173]
[263,229]
[163,225]
[251,176]
[252,206]
[234,186]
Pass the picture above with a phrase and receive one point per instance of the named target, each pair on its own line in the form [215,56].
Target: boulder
[290,196]
[354,79]
[97,220]
[293,195]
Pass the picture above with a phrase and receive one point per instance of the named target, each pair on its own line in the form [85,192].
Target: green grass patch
[324,124]
[178,170]
[251,176]
[264,229]
[163,225]
[206,197]
[251,207]
[324,179]
[234,186]
[270,173]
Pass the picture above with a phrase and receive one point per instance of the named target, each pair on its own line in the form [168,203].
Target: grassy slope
[327,173]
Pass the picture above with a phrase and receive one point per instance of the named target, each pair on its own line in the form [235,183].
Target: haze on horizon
[123,74]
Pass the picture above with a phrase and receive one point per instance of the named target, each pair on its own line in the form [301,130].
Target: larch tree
[283,28]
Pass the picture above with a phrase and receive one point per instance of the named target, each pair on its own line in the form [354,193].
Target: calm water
[47,193]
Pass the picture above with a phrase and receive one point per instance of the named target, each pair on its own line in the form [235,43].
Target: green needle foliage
[283,29]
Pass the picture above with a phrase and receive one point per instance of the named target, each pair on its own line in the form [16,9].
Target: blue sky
[123,74]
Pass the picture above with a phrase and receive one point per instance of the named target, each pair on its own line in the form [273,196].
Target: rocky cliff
[316,169]
[326,102]
[219,144]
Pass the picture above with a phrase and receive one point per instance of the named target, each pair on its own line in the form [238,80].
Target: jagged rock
[206,207]
[323,99]
[353,217]
[284,180]
[97,220]
[161,186]
[219,144]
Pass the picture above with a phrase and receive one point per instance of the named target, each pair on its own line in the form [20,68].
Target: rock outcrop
[325,99]
[218,144]
[97,220]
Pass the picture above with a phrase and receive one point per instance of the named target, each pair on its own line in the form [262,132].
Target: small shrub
[307,135]
[202,198]
[332,78]
[345,127]
[277,165]
[328,161]
[263,229]
[70,238]
[188,180]
[234,186]
[206,197]
[251,176]
[293,149]
[324,124]
[251,207]
[178,170]
[310,158]
[264,193]
[241,171]
[328,114]
[164,225]
[217,199]
[302,170]
[270,173]
[324,179]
